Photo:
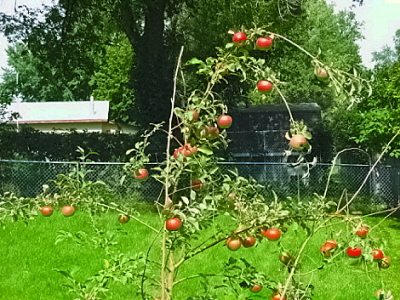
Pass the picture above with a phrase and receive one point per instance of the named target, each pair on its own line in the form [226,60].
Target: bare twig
[370,172]
[287,105]
[333,165]
[164,285]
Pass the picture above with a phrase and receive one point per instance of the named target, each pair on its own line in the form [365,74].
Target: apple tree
[196,193]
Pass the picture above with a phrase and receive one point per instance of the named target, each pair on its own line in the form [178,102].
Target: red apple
[46,211]
[224,121]
[173,224]
[256,288]
[211,132]
[298,142]
[141,174]
[197,185]
[239,39]
[265,86]
[264,43]
[377,254]
[68,210]
[248,241]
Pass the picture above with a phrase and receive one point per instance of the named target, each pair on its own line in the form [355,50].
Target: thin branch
[391,210]
[338,212]
[145,268]
[333,165]
[370,172]
[164,285]
[293,43]
[286,103]
[171,116]
[202,275]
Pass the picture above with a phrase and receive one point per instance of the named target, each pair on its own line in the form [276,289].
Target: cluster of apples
[329,247]
[67,210]
[265,43]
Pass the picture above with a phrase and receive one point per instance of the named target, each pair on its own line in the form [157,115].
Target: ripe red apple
[233,243]
[298,142]
[264,43]
[264,86]
[224,121]
[362,232]
[278,296]
[46,211]
[141,174]
[327,249]
[272,234]
[377,254]
[173,224]
[239,39]
[249,241]
[333,242]
[353,252]
[256,288]
[68,210]
[186,150]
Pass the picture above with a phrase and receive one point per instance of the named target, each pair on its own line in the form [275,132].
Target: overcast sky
[381,20]
[7,6]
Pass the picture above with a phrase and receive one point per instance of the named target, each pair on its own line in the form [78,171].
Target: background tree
[72,43]
[112,76]
[378,115]
[69,43]
[312,24]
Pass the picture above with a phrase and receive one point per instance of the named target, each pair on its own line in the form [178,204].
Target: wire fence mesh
[26,179]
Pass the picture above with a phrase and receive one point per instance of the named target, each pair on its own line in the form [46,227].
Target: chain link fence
[26,179]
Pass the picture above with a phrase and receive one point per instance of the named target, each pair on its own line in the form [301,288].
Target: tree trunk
[151,76]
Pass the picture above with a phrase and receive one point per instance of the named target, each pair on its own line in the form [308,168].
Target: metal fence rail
[26,179]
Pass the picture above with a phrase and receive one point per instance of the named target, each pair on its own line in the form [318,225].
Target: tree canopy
[74,49]
[377,118]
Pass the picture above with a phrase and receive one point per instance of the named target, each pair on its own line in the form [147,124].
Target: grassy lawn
[29,254]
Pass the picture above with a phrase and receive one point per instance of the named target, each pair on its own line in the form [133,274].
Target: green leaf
[194,61]
[66,273]
[205,150]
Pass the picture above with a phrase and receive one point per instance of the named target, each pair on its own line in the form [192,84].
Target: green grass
[29,254]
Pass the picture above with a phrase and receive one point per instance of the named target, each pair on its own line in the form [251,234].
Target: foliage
[118,267]
[112,77]
[377,117]
[16,208]
[198,203]
[317,28]
[30,144]
[66,36]
[54,37]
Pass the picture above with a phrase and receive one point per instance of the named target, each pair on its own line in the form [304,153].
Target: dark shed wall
[259,131]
